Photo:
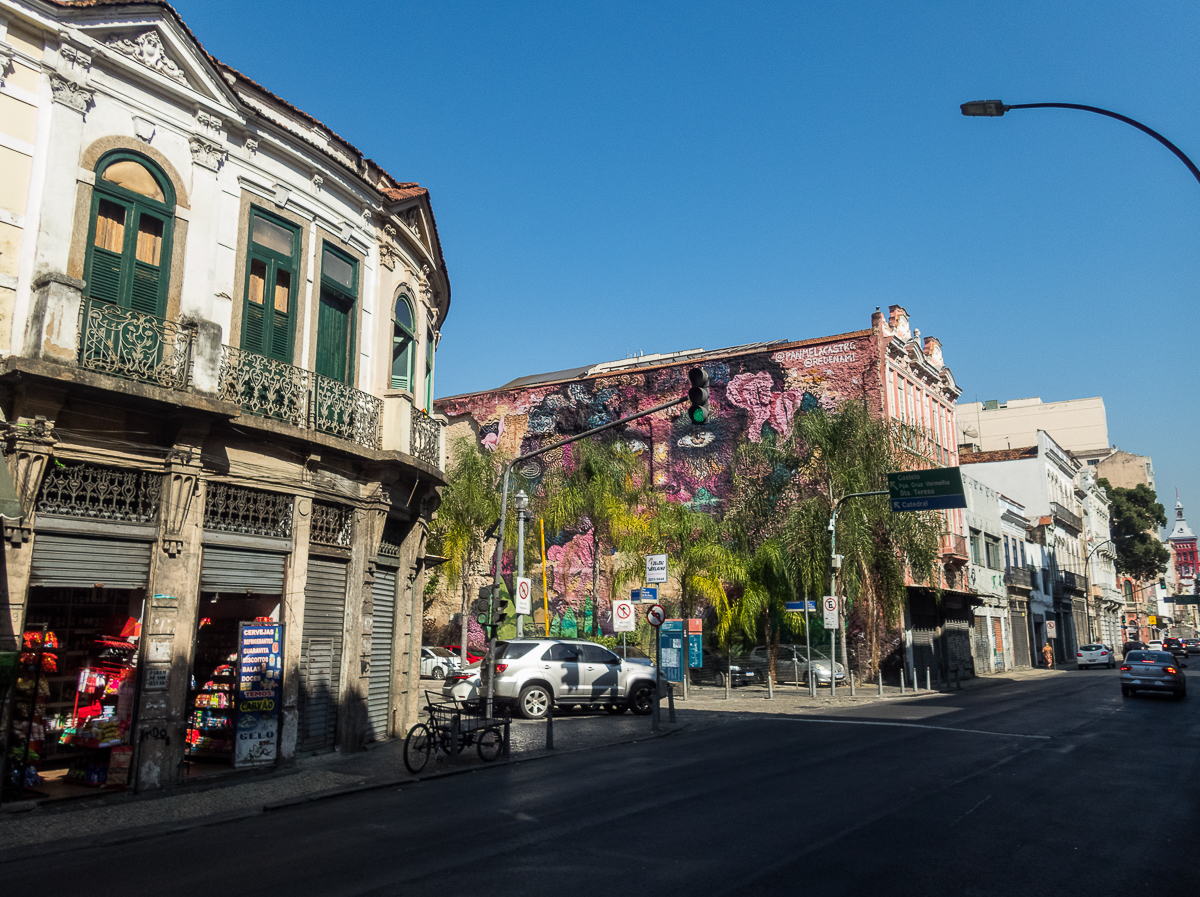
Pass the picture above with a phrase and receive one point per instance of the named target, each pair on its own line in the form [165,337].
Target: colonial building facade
[218,322]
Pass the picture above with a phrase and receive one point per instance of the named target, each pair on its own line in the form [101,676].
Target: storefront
[321,654]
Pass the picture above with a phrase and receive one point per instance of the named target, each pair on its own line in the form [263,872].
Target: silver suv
[533,674]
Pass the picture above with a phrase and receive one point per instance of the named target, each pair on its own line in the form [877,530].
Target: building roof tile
[1010,454]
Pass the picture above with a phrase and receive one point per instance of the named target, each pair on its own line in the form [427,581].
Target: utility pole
[521,500]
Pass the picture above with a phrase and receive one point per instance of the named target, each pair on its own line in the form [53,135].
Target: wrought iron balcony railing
[1019,577]
[265,387]
[134,345]
[426,438]
[954,545]
[1066,516]
[1073,581]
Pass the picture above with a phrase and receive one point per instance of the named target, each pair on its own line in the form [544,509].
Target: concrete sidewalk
[30,828]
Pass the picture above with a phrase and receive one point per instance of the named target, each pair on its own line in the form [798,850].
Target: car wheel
[616,709]
[719,679]
[438,673]
[534,701]
[641,699]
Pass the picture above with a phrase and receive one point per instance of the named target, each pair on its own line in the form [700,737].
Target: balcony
[1066,517]
[425,441]
[954,546]
[1018,577]
[132,345]
[274,389]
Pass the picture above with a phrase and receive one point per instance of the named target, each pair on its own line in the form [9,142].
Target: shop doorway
[214,684]
[76,694]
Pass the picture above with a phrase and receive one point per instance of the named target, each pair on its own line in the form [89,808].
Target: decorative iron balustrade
[1018,576]
[265,387]
[1073,581]
[954,545]
[391,540]
[274,389]
[237,509]
[134,345]
[331,525]
[100,493]
[350,413]
[1065,516]
[425,443]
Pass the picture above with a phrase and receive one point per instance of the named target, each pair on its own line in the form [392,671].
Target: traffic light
[698,396]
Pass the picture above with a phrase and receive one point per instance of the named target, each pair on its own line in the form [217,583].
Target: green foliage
[1137,516]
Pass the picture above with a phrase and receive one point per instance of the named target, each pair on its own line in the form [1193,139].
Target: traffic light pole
[494,598]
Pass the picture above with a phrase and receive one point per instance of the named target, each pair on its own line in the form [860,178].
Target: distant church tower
[1183,547]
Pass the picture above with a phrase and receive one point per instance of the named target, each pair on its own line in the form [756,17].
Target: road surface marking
[865,722]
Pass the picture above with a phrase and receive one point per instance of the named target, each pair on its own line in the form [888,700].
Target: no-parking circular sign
[656,615]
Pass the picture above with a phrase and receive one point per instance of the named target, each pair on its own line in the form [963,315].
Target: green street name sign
[926,490]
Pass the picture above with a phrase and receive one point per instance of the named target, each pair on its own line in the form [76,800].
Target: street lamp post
[521,502]
[1087,566]
[995,109]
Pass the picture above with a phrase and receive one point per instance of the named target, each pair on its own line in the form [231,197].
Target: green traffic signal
[698,396]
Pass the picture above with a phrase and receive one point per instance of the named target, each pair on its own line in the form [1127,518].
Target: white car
[1154,646]
[437,663]
[1089,656]
[792,664]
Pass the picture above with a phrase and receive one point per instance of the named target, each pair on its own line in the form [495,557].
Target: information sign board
[644,596]
[799,605]
[926,490]
[656,568]
[695,650]
[1052,628]
[830,607]
[524,589]
[623,618]
[670,643]
[259,693]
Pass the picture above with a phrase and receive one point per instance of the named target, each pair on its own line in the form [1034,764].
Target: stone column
[356,643]
[292,614]
[169,626]
[407,697]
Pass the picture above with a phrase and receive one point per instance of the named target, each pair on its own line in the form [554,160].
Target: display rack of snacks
[38,659]
[103,710]
[210,723]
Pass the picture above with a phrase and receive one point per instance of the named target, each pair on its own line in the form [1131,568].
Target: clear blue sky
[614,177]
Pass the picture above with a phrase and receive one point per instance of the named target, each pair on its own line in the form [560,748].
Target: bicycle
[451,727]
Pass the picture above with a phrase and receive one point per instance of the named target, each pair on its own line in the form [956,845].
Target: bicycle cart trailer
[450,727]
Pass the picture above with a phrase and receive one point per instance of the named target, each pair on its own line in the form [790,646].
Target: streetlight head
[986,108]
[521,500]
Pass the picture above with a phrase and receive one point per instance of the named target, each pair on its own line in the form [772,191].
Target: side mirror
[614,661]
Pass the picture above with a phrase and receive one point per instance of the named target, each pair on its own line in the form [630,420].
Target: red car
[474,655]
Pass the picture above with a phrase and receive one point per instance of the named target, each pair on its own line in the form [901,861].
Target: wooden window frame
[410,351]
[135,205]
[273,261]
[326,282]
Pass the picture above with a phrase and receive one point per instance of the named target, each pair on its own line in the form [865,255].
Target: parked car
[792,662]
[1192,645]
[1176,647]
[534,674]
[474,655]
[1153,671]
[716,666]
[1097,655]
[437,663]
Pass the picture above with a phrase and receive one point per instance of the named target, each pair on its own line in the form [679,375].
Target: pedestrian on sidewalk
[1048,656]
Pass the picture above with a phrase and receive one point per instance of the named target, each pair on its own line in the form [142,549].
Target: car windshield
[1149,657]
[440,652]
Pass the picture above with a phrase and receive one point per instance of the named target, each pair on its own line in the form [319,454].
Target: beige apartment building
[1078,425]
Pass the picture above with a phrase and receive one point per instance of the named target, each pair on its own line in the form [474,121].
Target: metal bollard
[915,688]
[454,739]
[851,675]
[550,728]
[881,683]
[927,688]
[507,752]
[902,691]
[671,701]
[770,686]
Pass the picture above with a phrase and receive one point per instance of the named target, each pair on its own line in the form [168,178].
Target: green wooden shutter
[104,277]
[333,336]
[252,329]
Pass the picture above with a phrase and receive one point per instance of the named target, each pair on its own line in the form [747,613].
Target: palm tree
[846,452]
[470,505]
[604,489]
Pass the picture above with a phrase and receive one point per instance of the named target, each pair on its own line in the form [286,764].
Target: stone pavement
[29,830]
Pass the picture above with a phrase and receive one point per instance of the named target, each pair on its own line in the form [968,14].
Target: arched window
[1128,592]
[403,339]
[129,237]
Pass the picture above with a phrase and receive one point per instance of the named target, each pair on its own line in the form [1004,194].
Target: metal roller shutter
[958,641]
[383,626]
[321,654]
[981,646]
[1019,624]
[239,570]
[81,562]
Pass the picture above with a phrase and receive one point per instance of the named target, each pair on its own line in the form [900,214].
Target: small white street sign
[623,618]
[656,568]
[524,589]
[1051,629]
[831,612]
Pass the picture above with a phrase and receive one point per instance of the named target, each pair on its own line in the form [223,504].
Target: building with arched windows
[218,323]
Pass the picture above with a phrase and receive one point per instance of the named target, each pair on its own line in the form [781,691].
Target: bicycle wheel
[417,748]
[464,739]
[491,743]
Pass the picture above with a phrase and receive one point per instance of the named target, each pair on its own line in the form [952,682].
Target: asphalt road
[1055,785]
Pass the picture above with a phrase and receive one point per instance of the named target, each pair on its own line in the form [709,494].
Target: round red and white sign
[656,615]
[624,610]
[830,603]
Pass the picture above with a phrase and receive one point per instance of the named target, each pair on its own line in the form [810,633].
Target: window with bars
[128,256]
